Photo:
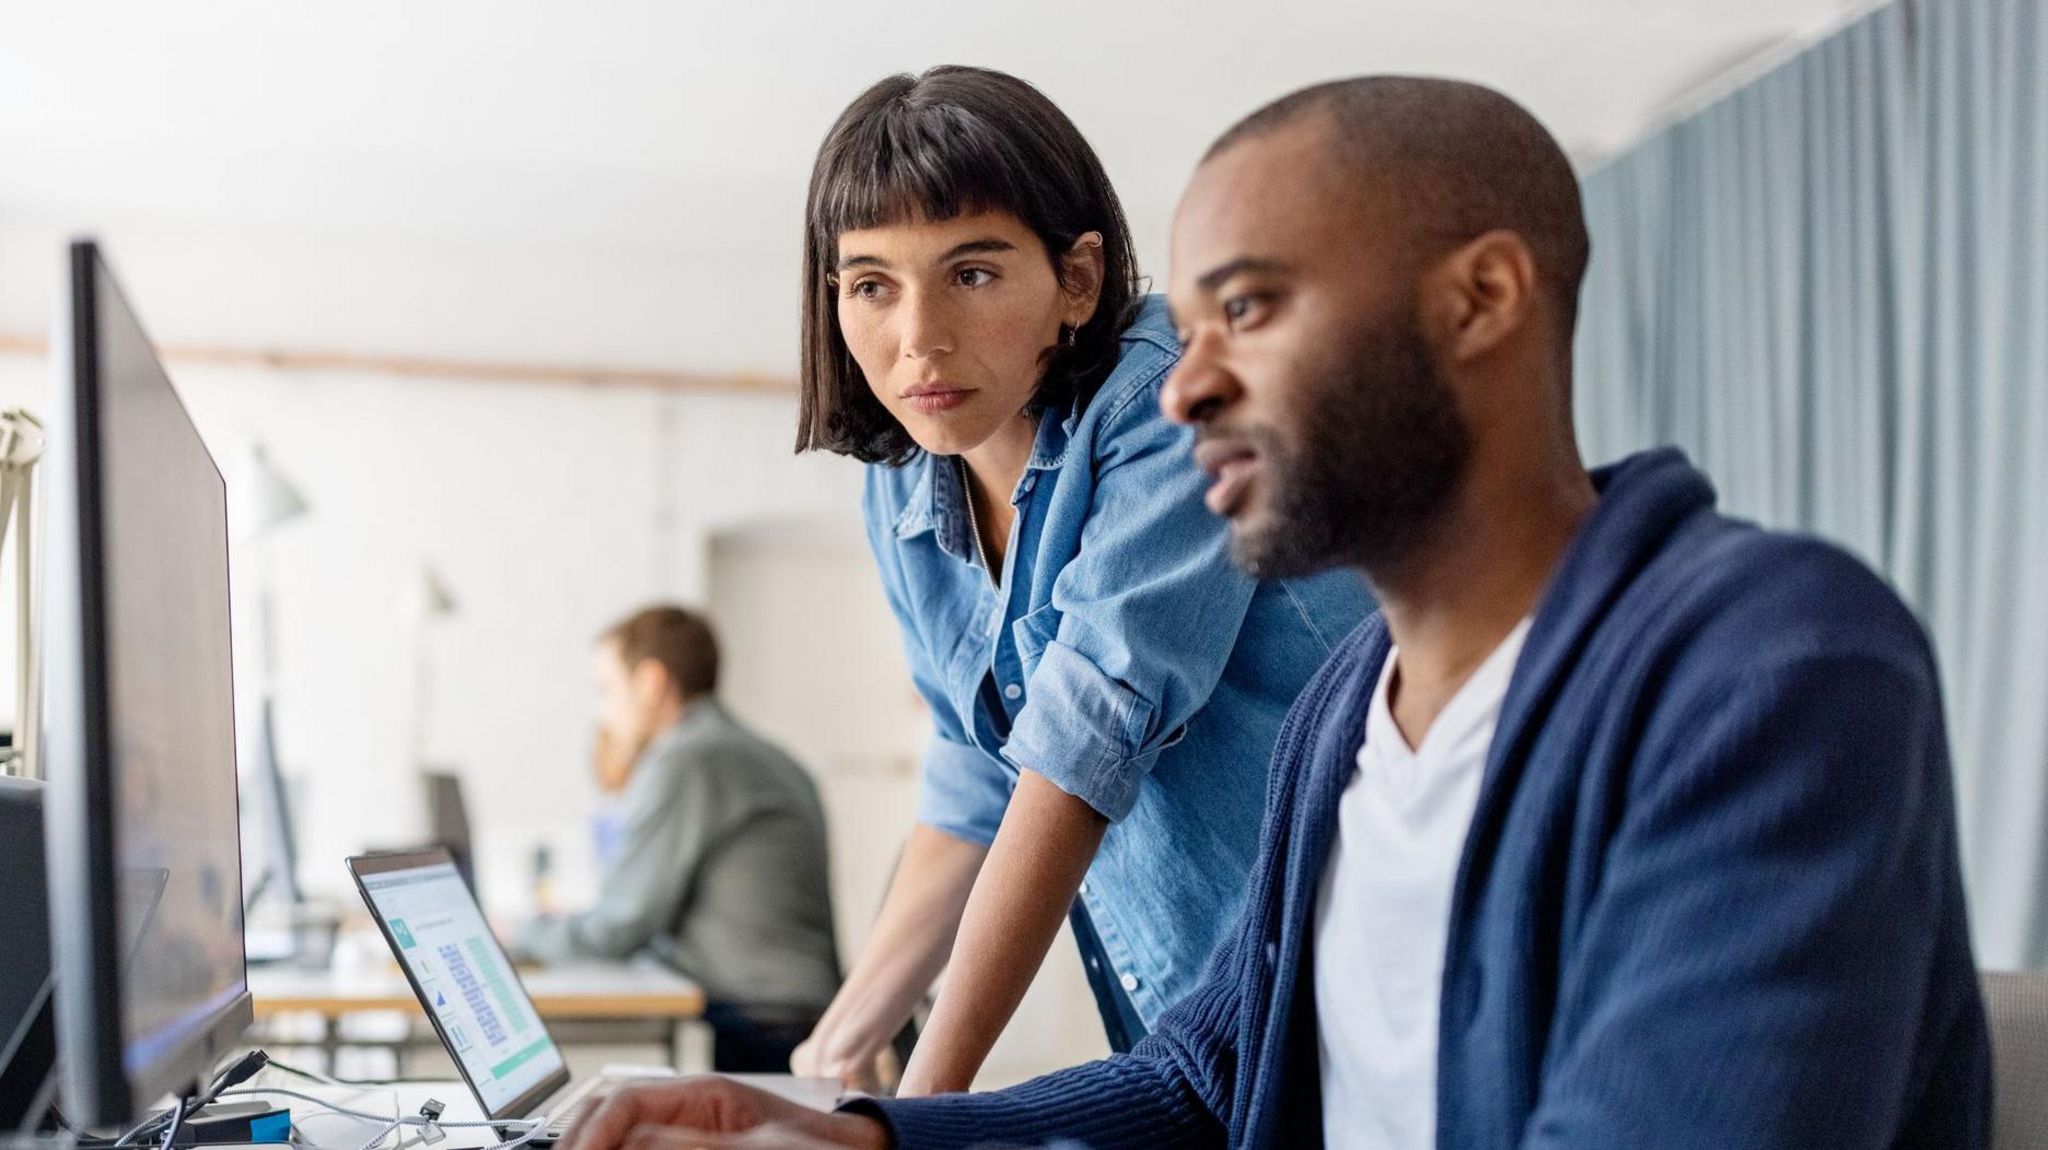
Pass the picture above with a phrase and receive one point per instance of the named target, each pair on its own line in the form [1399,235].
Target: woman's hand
[835,1051]
[716,1112]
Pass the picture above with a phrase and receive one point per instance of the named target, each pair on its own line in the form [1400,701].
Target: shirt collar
[1055,432]
[937,504]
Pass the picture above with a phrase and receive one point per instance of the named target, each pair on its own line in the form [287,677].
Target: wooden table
[582,992]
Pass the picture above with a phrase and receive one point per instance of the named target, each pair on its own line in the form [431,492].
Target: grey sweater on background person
[721,871]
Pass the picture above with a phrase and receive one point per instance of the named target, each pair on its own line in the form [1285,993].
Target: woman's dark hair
[952,142]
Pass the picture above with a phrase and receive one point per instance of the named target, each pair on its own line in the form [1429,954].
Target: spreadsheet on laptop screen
[439,933]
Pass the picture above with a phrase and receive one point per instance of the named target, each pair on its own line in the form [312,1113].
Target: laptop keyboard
[559,1124]
[577,1102]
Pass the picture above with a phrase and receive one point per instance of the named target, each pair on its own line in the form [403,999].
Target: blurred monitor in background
[448,821]
[270,849]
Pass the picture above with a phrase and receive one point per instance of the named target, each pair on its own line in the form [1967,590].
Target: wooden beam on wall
[431,367]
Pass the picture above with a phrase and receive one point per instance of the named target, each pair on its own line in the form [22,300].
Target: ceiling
[621,183]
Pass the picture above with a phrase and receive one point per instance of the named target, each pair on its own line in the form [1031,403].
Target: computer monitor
[273,876]
[448,821]
[143,848]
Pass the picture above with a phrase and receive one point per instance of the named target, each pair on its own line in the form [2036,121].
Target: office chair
[2017,1007]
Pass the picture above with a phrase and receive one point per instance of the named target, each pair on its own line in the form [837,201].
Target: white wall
[548,511]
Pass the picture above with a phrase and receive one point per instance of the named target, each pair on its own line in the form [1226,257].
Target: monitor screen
[170,700]
[145,849]
[438,932]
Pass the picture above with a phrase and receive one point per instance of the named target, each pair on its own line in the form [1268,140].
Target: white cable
[533,1125]
[378,1140]
[172,1118]
[523,1139]
[369,1117]
[138,1128]
[177,1120]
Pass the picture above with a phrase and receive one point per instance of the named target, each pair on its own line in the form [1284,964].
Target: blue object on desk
[275,1127]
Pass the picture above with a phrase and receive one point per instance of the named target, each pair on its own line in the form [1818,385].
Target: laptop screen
[464,978]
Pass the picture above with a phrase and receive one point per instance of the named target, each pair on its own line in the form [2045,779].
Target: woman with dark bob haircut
[1105,687]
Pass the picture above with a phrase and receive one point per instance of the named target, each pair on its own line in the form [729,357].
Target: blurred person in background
[719,862]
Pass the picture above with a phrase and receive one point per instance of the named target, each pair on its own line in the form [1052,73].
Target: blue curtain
[1831,288]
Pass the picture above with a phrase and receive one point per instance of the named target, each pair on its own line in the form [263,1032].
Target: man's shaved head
[1375,283]
[1455,159]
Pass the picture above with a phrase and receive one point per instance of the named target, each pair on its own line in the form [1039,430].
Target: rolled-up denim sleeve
[1150,608]
[963,791]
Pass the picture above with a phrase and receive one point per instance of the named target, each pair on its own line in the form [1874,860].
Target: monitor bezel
[81,845]
[361,867]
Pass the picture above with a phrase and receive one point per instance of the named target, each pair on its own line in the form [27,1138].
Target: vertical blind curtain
[1831,288]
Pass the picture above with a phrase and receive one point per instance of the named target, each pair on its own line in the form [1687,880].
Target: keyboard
[563,1111]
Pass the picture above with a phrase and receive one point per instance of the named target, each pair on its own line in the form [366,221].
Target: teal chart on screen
[440,935]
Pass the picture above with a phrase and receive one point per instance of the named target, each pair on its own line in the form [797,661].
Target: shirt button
[1084,886]
[1012,691]
[1130,981]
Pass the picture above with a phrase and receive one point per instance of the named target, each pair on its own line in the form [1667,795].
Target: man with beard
[1626,824]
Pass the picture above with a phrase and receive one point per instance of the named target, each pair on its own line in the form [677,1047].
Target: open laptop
[469,990]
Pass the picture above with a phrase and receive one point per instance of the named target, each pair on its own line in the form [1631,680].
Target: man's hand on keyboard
[715,1112]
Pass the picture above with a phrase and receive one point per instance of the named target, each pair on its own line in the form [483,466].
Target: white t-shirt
[1384,909]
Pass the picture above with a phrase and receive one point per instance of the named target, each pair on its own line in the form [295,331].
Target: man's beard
[1378,453]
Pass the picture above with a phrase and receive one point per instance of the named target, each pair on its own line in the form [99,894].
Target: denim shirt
[1122,657]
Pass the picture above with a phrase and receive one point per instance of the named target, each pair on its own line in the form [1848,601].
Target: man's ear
[1480,295]
[650,680]
[1082,269]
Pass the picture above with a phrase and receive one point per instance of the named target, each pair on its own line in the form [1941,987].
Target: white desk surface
[321,1129]
[573,990]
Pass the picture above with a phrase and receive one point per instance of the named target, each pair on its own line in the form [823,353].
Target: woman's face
[952,321]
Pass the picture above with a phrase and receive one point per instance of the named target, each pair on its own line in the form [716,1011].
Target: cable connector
[242,1071]
[430,1129]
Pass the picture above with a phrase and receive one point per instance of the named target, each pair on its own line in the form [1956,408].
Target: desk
[320,1128]
[574,992]
[398,1098]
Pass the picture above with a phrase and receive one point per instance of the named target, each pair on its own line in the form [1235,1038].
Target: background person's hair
[952,142]
[681,641]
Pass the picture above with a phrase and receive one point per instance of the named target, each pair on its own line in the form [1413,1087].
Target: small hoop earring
[1067,336]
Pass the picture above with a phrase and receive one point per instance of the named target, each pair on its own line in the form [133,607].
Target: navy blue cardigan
[1711,896]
